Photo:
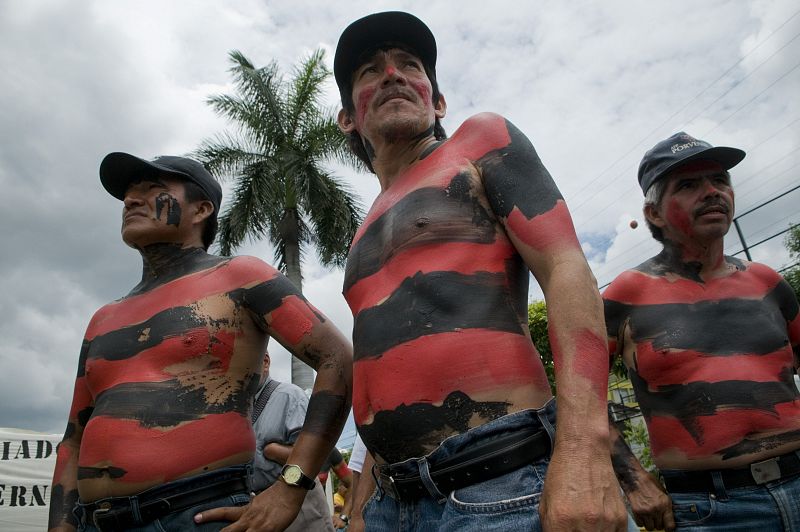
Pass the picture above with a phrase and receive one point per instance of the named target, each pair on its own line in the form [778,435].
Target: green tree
[792,274]
[282,136]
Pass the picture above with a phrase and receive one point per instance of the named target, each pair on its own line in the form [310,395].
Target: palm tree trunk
[302,375]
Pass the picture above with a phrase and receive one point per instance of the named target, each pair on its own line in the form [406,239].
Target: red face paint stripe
[148,454]
[460,257]
[545,232]
[183,291]
[468,361]
[293,320]
[662,368]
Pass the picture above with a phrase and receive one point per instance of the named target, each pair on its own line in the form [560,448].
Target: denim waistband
[182,485]
[544,417]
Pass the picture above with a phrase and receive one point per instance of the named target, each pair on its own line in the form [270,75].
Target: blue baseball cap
[679,149]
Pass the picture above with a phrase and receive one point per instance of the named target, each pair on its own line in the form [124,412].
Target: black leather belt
[117,513]
[755,474]
[480,462]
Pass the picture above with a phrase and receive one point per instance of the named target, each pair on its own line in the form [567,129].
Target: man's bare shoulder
[626,286]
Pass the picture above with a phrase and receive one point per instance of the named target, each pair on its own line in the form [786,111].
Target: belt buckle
[765,471]
[102,508]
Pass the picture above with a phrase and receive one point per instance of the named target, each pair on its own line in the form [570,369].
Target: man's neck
[695,261]
[391,158]
[162,263]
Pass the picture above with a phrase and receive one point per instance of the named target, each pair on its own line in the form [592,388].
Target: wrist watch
[344,517]
[294,476]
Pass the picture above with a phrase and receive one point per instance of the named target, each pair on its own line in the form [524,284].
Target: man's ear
[440,108]
[203,210]
[346,124]
[653,216]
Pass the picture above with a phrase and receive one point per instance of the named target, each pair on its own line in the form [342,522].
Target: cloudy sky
[593,84]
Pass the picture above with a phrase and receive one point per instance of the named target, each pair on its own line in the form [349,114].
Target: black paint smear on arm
[413,430]
[326,413]
[265,297]
[434,303]
[624,463]
[425,216]
[514,176]
[61,505]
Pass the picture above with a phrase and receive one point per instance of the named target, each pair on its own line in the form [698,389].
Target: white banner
[27,460]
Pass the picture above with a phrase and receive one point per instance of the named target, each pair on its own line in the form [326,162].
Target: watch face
[292,474]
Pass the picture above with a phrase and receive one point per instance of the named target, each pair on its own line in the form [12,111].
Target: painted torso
[439,298]
[711,361]
[166,375]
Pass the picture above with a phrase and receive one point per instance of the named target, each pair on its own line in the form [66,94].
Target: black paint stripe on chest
[751,446]
[413,430]
[166,404]
[127,342]
[424,216]
[716,328]
[514,176]
[688,402]
[436,302]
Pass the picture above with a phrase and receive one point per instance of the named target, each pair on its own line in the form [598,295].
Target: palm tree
[275,155]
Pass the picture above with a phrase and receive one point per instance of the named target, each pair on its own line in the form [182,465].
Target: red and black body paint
[170,371]
[439,292]
[714,360]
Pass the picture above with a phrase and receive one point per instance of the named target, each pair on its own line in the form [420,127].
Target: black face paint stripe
[424,216]
[173,208]
[412,430]
[514,176]
[434,303]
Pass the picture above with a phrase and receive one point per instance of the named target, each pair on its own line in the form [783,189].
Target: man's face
[697,205]
[156,211]
[392,96]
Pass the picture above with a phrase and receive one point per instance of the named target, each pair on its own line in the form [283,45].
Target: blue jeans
[507,502]
[183,519]
[770,507]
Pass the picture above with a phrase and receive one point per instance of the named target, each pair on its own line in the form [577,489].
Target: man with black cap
[711,344]
[450,395]
[159,434]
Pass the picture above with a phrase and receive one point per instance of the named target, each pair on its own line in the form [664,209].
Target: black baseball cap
[373,30]
[118,170]
[679,149]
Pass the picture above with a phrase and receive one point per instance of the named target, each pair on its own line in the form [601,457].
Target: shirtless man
[711,345]
[450,395]
[166,376]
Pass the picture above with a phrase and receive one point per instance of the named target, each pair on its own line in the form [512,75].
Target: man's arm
[304,331]
[347,509]
[64,493]
[650,504]
[362,492]
[581,492]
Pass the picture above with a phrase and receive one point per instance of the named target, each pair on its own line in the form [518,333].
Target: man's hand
[274,509]
[581,493]
[650,504]
[356,523]
[337,522]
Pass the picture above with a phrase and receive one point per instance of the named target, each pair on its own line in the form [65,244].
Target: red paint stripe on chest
[461,257]
[721,430]
[164,455]
[150,364]
[665,367]
[637,288]
[181,292]
[428,369]
[547,231]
